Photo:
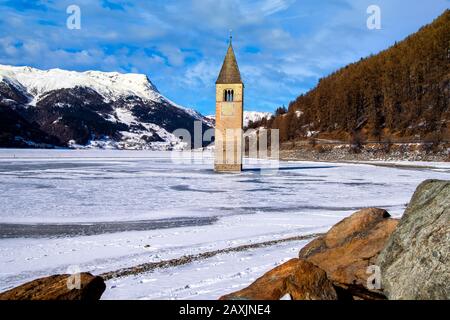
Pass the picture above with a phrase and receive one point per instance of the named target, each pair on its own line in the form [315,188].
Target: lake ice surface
[105,210]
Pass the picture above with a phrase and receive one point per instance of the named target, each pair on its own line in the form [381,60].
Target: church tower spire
[230,70]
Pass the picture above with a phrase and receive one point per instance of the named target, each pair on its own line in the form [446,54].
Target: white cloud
[181,44]
[201,74]
[173,54]
[270,7]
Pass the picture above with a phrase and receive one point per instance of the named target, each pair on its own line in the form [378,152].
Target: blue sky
[283,46]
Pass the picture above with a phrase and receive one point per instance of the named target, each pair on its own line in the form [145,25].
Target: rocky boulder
[333,266]
[58,287]
[309,282]
[415,264]
[347,250]
[299,278]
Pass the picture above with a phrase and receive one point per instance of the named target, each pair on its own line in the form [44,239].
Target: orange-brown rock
[56,288]
[299,278]
[309,282]
[271,286]
[350,247]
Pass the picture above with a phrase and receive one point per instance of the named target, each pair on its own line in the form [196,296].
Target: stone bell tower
[229,116]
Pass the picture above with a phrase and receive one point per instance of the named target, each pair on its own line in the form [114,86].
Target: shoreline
[343,154]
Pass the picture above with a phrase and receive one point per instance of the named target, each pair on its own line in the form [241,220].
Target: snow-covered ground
[140,206]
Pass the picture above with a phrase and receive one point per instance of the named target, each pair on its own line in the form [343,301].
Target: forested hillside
[401,92]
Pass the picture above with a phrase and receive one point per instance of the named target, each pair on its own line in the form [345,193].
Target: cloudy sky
[283,46]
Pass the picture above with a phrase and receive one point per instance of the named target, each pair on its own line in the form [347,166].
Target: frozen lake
[104,210]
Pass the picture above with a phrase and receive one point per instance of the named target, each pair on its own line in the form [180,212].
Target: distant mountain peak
[91,109]
[108,84]
[249,116]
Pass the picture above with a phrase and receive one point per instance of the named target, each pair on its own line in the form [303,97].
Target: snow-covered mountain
[88,109]
[253,116]
[248,116]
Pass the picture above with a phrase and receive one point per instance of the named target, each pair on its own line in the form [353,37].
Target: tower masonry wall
[229,124]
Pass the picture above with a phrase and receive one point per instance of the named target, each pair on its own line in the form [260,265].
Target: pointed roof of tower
[230,71]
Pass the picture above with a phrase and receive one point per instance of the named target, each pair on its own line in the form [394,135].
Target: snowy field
[101,211]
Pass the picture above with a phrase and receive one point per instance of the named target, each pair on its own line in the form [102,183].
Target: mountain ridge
[89,109]
[250,117]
